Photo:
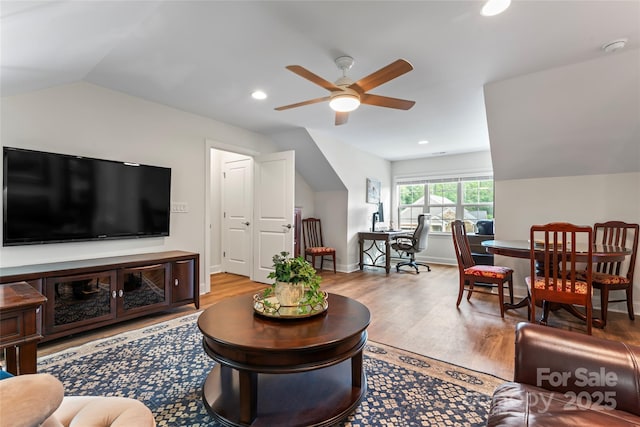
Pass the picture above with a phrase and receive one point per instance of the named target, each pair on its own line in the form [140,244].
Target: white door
[273,214]
[236,218]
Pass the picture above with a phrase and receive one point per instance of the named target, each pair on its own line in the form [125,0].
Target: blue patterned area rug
[164,366]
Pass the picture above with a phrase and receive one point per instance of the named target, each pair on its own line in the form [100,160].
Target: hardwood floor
[409,311]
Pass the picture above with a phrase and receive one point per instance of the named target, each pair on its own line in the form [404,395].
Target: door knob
[287,226]
[246,223]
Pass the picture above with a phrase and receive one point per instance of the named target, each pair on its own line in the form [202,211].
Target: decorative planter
[289,294]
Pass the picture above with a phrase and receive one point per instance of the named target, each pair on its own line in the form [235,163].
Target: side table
[19,326]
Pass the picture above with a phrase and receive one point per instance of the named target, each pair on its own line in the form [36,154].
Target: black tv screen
[50,198]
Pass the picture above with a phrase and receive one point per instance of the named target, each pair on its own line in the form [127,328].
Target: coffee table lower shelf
[321,397]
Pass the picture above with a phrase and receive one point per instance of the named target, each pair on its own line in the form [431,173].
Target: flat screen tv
[51,198]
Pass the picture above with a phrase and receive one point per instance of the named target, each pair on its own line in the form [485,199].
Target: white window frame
[459,206]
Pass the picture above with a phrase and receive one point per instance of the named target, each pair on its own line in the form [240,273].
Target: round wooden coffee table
[294,372]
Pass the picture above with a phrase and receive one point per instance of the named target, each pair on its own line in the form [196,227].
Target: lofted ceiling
[206,57]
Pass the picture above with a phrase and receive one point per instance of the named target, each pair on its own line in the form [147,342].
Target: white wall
[580,200]
[440,249]
[353,166]
[304,197]
[328,204]
[89,120]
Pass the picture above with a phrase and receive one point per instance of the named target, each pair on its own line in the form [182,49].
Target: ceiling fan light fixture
[494,7]
[344,102]
[258,94]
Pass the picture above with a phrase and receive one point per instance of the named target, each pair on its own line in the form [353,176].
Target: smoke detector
[614,45]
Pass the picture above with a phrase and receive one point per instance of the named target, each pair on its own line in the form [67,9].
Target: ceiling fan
[346,95]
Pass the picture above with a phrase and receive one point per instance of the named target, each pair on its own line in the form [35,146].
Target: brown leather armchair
[563,378]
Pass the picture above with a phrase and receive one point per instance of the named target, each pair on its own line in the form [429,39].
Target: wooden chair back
[565,273]
[312,233]
[314,244]
[620,234]
[461,245]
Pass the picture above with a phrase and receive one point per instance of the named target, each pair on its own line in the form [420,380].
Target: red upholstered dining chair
[471,274]
[313,243]
[611,276]
[557,272]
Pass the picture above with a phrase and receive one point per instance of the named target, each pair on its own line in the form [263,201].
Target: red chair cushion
[581,287]
[320,250]
[492,271]
[609,279]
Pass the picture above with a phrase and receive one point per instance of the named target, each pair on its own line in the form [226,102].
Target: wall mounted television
[53,198]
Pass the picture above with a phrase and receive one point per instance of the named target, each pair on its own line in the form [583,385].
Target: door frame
[209,145]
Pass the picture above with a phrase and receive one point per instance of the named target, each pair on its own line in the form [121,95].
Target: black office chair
[412,244]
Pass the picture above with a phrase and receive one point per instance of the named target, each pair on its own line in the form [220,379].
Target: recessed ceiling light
[258,94]
[424,141]
[494,7]
[614,45]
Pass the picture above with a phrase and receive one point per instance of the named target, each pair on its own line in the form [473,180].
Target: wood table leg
[387,256]
[27,358]
[356,370]
[11,360]
[595,321]
[524,302]
[248,396]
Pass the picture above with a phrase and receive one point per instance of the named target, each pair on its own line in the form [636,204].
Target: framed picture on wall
[373,191]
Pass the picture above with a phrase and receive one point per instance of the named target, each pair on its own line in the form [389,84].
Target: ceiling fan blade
[341,118]
[385,101]
[313,78]
[300,104]
[383,75]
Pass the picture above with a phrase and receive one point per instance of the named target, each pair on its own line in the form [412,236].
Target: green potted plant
[296,281]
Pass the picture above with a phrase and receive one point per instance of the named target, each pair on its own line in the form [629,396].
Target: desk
[19,327]
[374,252]
[521,249]
[304,372]
[479,254]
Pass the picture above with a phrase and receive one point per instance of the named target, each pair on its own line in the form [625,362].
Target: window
[445,200]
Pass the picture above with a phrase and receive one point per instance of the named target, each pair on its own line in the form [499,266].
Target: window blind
[417,181]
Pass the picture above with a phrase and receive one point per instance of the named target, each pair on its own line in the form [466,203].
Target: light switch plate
[179,207]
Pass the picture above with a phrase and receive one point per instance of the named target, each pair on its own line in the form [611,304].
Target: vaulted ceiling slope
[310,162]
[206,57]
[580,119]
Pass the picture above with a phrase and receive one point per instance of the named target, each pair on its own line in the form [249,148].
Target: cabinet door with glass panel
[79,300]
[143,288]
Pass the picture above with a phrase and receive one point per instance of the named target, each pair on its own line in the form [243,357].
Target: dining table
[522,249]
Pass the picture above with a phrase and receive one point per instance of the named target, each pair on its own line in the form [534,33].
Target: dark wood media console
[87,294]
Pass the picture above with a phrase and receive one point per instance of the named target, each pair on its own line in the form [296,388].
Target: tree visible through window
[468,199]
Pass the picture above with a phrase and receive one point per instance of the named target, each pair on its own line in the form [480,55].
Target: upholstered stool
[38,399]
